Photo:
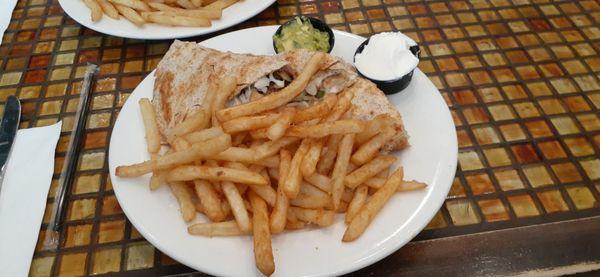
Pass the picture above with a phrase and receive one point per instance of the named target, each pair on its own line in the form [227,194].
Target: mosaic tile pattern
[521,78]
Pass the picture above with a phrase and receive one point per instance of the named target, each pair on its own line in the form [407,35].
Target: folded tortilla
[187,71]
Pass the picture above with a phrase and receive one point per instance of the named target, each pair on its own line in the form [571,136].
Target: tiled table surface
[521,78]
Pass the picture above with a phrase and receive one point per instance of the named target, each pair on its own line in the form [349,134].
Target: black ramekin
[390,86]
[317,24]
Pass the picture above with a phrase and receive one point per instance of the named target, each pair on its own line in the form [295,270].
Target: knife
[8,131]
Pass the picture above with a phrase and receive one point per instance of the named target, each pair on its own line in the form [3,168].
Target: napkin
[23,196]
[7,7]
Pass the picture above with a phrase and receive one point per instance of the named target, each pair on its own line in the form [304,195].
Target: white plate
[234,14]
[315,252]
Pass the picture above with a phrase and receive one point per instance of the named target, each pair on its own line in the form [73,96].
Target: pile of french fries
[262,167]
[188,13]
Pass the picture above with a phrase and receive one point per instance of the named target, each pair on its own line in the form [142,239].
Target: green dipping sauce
[300,33]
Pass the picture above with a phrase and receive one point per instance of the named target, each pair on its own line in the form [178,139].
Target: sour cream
[386,57]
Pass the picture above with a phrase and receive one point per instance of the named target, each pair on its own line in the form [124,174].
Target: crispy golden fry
[157,179]
[289,225]
[191,123]
[373,127]
[270,162]
[320,181]
[347,195]
[271,147]
[359,199]
[203,135]
[193,172]
[317,110]
[200,13]
[340,127]
[343,104]
[224,207]
[227,86]
[277,130]
[339,169]
[309,163]
[209,200]
[291,186]
[221,4]
[166,18]
[377,183]
[219,229]
[368,170]
[238,139]
[384,173]
[134,4]
[361,221]
[246,123]
[319,217]
[130,14]
[369,149]
[266,192]
[185,4]
[310,201]
[237,154]
[278,216]
[95,9]
[204,149]
[328,157]
[149,120]
[276,99]
[237,206]
[263,254]
[197,3]
[259,133]
[184,197]
[109,9]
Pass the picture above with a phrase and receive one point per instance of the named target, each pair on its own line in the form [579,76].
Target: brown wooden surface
[521,78]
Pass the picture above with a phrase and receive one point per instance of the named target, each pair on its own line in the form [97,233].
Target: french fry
[134,4]
[109,9]
[271,147]
[197,151]
[373,127]
[328,158]
[219,229]
[319,217]
[384,173]
[197,3]
[209,200]
[130,14]
[263,253]
[359,199]
[377,183]
[203,135]
[157,179]
[221,4]
[191,123]
[269,162]
[339,169]
[166,18]
[276,99]
[289,225]
[246,123]
[310,201]
[309,163]
[201,13]
[361,221]
[340,127]
[149,120]
[259,133]
[266,192]
[320,181]
[368,170]
[185,4]
[184,197]
[193,172]
[369,149]
[237,206]
[343,104]
[227,86]
[277,130]
[347,195]
[237,154]
[278,216]
[95,9]
[316,110]
[291,186]
[238,139]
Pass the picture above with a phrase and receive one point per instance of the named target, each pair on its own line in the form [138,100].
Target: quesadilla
[188,71]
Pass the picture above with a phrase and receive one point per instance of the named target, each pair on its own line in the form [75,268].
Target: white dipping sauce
[386,57]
